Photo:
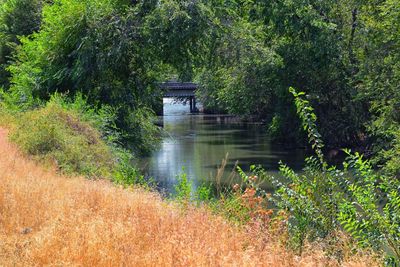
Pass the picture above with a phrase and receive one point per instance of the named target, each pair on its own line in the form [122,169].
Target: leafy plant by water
[183,187]
[324,199]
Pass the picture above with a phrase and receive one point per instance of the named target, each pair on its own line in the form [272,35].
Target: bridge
[181,90]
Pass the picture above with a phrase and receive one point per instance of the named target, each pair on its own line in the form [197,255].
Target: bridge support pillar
[194,104]
[159,108]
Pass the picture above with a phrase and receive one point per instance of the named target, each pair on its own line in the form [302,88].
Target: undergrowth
[53,133]
[75,137]
[324,200]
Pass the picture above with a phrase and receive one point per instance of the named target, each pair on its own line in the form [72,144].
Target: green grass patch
[55,134]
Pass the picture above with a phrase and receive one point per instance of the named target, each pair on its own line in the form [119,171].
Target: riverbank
[50,219]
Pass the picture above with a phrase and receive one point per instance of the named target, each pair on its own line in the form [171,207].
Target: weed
[183,188]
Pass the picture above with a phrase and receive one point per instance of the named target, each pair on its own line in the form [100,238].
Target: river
[199,142]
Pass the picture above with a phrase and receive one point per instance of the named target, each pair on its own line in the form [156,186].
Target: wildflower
[253,178]
[236,187]
[249,193]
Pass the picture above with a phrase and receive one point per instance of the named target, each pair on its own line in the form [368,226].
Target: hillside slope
[48,219]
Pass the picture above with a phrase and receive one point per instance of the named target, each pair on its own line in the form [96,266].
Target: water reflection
[199,143]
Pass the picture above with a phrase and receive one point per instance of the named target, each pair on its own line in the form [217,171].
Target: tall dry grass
[48,219]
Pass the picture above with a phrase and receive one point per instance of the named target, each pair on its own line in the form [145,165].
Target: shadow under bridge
[180,90]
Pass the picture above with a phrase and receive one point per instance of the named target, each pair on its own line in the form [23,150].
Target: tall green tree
[113,52]
[378,55]
[95,48]
[314,40]
[264,47]
[17,18]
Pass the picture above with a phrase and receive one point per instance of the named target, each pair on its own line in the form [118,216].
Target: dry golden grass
[48,219]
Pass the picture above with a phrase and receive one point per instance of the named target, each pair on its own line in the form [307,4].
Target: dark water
[200,142]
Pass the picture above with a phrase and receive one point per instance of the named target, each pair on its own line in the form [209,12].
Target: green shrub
[324,200]
[371,210]
[391,156]
[6,115]
[74,135]
[64,136]
[125,173]
[231,207]
[203,193]
[244,203]
[183,188]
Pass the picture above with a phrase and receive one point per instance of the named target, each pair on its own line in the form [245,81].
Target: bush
[324,200]
[183,188]
[75,136]
[125,173]
[391,156]
[243,204]
[64,136]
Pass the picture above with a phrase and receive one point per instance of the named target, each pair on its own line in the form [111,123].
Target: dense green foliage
[66,134]
[17,18]
[343,54]
[325,199]
[75,138]
[379,79]
[271,46]
[91,48]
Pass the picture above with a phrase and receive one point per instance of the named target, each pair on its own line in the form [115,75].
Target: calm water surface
[198,143]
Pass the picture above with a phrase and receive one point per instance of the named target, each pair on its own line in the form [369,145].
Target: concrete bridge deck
[181,90]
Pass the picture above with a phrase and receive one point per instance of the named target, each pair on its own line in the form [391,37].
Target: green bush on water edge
[324,199]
